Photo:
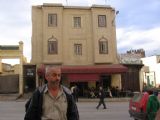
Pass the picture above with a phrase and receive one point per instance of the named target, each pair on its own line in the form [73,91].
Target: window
[101,21]
[78,49]
[103,46]
[52,20]
[52,46]
[77,22]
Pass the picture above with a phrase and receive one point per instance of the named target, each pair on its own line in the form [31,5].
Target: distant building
[139,52]
[82,40]
[11,83]
[152,76]
[7,68]
[131,80]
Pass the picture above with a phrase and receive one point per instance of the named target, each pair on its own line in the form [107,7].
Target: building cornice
[74,7]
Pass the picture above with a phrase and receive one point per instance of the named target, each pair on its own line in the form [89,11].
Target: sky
[137,24]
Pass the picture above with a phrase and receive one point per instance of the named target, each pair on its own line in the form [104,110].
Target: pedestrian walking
[52,101]
[152,106]
[75,93]
[101,95]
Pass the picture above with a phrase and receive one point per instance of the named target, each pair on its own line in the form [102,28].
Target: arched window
[103,46]
[52,45]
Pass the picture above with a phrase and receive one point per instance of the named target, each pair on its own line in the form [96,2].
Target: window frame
[52,46]
[78,49]
[102,22]
[103,46]
[77,22]
[52,20]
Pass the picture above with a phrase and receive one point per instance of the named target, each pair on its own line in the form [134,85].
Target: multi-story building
[80,39]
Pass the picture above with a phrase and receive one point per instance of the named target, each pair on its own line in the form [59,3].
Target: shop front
[89,78]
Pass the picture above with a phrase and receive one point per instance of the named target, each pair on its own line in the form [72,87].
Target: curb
[17,97]
[9,97]
[106,100]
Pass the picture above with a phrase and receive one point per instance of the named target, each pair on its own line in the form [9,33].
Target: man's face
[53,76]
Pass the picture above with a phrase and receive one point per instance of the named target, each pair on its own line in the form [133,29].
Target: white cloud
[70,2]
[15,22]
[129,38]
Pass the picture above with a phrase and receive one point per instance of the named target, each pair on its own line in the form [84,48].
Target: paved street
[14,110]
[115,111]
[11,110]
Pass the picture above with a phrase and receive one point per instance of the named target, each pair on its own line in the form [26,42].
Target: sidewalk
[16,97]
[8,97]
[120,99]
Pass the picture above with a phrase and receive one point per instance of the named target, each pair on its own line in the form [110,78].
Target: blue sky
[138,22]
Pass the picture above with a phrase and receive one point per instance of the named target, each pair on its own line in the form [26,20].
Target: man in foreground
[52,101]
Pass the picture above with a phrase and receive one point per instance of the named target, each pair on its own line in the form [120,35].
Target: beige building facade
[88,34]
[12,52]
[75,36]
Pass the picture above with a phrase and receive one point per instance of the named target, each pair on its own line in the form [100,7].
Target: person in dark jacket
[75,93]
[52,101]
[101,98]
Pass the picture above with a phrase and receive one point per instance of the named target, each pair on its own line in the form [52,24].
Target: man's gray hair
[48,68]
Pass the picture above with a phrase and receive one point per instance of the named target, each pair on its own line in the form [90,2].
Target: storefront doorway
[82,86]
[29,77]
[105,81]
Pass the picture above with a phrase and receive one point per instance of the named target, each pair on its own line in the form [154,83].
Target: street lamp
[113,21]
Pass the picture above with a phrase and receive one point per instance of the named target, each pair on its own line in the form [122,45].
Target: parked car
[137,106]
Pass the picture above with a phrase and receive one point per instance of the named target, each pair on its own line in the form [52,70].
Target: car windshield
[137,97]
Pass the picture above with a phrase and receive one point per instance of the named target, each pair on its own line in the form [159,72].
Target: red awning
[96,69]
[83,77]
